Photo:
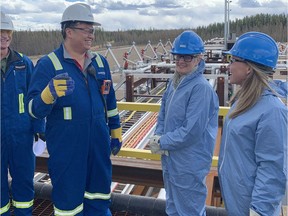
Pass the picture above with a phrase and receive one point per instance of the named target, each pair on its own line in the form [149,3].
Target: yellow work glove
[116,140]
[59,86]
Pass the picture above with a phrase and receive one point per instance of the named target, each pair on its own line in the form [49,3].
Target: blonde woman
[186,129]
[253,156]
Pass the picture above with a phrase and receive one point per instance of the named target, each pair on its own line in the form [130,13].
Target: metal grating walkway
[45,208]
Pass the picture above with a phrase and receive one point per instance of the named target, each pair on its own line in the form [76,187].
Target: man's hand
[116,140]
[59,86]
[115,146]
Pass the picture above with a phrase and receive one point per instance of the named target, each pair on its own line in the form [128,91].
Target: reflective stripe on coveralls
[22,204]
[57,65]
[5,208]
[21,103]
[30,109]
[21,98]
[17,131]
[67,115]
[111,113]
[92,196]
[98,60]
[73,212]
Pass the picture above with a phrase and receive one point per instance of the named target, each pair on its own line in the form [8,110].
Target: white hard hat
[78,12]
[6,22]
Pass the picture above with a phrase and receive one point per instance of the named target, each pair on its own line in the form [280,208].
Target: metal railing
[153,107]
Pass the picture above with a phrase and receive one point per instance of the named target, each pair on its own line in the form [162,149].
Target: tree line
[42,42]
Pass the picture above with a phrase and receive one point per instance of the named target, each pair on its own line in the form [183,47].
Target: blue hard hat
[256,47]
[187,43]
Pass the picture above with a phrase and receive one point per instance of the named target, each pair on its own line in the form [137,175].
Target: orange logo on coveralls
[105,88]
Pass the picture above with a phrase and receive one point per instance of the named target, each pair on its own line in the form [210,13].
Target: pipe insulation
[145,206]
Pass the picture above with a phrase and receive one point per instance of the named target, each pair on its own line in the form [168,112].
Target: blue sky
[137,14]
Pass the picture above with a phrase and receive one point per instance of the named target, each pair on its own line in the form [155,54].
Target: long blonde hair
[251,90]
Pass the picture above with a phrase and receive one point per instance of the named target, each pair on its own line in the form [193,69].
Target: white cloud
[137,14]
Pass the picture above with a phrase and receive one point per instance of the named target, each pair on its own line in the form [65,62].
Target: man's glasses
[186,58]
[85,30]
[232,60]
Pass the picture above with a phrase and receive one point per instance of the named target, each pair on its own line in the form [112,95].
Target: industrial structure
[141,76]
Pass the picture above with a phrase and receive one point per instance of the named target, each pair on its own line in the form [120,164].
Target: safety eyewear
[85,30]
[186,58]
[232,60]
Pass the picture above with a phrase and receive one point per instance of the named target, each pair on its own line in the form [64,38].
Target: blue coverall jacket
[252,164]
[17,131]
[187,124]
[77,134]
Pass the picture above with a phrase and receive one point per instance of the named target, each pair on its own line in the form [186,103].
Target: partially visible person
[186,129]
[281,87]
[253,156]
[72,88]
[17,129]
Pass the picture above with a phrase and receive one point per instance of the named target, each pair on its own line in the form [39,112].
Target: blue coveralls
[253,158]
[77,135]
[17,131]
[187,124]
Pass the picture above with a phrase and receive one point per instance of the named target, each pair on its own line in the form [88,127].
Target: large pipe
[138,204]
[141,205]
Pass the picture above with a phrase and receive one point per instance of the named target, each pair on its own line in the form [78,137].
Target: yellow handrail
[153,107]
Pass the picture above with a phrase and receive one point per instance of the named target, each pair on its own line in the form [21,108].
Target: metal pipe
[225,25]
[228,18]
[138,205]
[148,206]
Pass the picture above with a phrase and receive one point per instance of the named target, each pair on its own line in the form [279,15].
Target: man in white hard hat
[72,88]
[17,129]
